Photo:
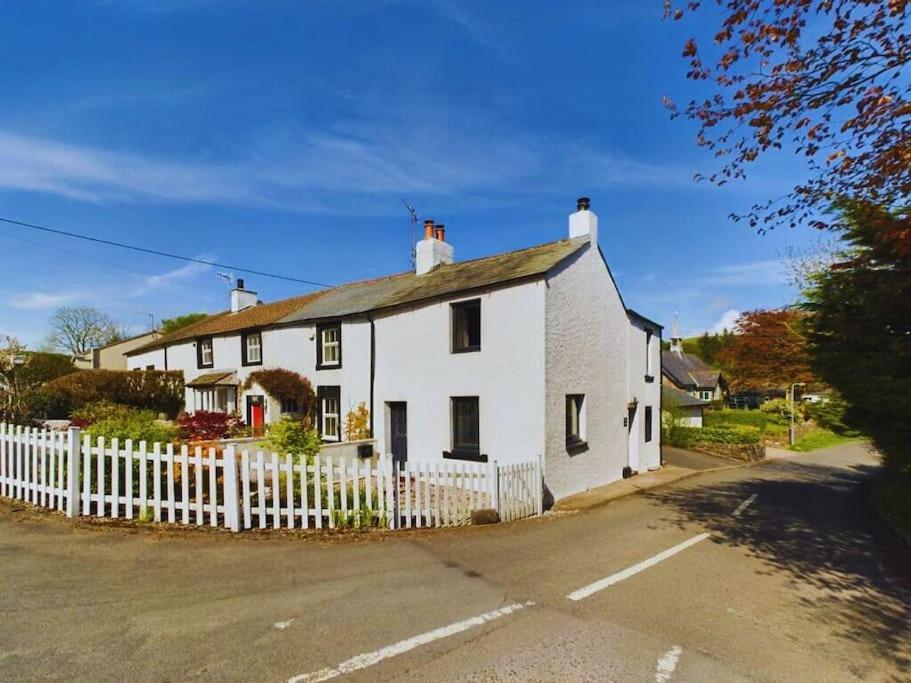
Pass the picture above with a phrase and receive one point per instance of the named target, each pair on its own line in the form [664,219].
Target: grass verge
[892,500]
[820,438]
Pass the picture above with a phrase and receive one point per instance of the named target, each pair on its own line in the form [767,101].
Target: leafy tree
[709,346]
[822,77]
[78,330]
[860,327]
[169,325]
[11,356]
[357,423]
[769,349]
[293,436]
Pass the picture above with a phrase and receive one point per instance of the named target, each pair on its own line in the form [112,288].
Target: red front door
[257,414]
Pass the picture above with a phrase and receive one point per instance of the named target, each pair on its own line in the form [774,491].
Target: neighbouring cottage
[690,373]
[113,356]
[503,358]
[686,409]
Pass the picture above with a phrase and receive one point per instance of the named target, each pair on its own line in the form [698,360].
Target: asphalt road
[801,585]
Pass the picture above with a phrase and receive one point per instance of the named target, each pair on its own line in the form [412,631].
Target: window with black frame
[466,326]
[648,424]
[466,429]
[575,420]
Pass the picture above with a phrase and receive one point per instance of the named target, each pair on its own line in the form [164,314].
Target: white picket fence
[215,487]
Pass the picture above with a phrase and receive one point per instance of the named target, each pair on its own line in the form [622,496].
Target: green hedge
[738,436]
[160,392]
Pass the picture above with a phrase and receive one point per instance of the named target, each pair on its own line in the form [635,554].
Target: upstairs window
[575,420]
[329,346]
[205,358]
[466,326]
[466,429]
[252,348]
[330,408]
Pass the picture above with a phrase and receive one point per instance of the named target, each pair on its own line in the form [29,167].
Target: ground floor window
[575,419]
[648,424]
[215,400]
[291,405]
[330,404]
[466,428]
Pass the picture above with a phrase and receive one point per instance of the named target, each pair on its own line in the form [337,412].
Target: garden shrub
[206,426]
[830,415]
[157,391]
[113,421]
[357,424]
[781,407]
[293,436]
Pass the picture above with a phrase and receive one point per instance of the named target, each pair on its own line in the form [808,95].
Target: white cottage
[501,358]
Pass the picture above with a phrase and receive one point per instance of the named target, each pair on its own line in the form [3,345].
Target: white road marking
[369,659]
[598,586]
[744,505]
[282,625]
[667,664]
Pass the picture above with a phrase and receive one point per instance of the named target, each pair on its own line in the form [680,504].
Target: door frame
[392,407]
[256,399]
[633,454]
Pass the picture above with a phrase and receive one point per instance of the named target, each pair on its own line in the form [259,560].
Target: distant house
[497,359]
[689,373]
[113,356]
[689,410]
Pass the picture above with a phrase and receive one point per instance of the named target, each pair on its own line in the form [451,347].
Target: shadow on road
[815,524]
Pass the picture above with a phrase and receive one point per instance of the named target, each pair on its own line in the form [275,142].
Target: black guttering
[372,371]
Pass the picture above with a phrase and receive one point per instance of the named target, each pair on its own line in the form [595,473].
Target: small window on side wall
[204,355]
[330,409]
[329,346]
[648,424]
[466,326]
[575,420]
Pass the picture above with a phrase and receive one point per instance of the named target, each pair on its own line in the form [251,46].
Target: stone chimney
[242,298]
[584,223]
[433,250]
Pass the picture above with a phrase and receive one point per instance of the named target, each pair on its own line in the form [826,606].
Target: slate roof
[687,370]
[388,292]
[681,398]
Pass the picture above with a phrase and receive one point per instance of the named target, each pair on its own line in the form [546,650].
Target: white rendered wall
[587,337]
[415,365]
[647,394]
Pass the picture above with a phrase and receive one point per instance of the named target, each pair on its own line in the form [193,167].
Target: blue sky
[280,135]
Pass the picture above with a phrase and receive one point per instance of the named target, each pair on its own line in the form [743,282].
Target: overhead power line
[165,254]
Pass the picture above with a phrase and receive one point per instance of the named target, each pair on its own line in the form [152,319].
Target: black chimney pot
[240,283]
[583,204]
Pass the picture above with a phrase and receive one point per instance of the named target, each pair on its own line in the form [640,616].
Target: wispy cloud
[175,277]
[757,273]
[476,29]
[34,301]
[725,322]
[302,170]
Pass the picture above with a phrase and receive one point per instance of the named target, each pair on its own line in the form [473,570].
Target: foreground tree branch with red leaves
[768,350]
[823,76]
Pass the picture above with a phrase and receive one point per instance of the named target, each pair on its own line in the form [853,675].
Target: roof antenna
[413,219]
[227,277]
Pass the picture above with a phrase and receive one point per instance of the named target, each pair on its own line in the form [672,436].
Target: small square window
[252,348]
[575,419]
[291,405]
[329,346]
[466,326]
[204,355]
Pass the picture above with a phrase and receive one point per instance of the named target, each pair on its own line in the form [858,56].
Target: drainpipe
[372,370]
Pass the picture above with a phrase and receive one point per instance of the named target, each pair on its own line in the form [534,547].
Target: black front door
[398,424]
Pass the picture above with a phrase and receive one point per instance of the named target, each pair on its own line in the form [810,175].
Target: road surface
[769,573]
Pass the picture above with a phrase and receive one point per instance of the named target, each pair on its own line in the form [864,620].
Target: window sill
[576,446]
[473,456]
[469,350]
[245,364]
[337,366]
[205,367]
[649,379]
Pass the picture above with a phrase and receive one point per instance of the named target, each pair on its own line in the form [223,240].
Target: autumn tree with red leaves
[824,77]
[768,350]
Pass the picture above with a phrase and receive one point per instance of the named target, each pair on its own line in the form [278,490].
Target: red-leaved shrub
[206,426]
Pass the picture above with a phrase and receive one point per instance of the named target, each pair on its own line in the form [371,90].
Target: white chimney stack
[584,223]
[242,298]
[433,250]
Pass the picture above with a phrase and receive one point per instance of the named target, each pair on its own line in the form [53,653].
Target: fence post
[73,467]
[539,485]
[493,485]
[232,509]
[4,469]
